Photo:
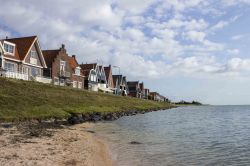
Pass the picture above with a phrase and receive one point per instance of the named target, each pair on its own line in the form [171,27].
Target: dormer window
[33,54]
[9,48]
[78,71]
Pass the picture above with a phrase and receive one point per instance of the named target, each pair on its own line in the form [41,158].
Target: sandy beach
[67,145]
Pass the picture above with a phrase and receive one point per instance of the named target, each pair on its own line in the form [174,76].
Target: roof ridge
[20,37]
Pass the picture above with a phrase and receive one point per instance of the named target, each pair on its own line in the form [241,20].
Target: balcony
[43,79]
[65,74]
[16,75]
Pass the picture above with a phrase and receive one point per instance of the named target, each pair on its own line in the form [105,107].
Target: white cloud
[98,30]
[237,37]
[233,51]
[195,36]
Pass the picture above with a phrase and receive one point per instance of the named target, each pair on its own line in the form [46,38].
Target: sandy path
[72,145]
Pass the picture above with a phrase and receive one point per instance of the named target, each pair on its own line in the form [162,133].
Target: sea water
[199,135]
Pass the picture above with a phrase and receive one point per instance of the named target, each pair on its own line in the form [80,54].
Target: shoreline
[59,142]
[69,145]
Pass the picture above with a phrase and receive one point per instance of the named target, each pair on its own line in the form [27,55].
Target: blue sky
[185,49]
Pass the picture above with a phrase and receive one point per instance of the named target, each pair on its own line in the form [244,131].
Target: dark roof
[117,78]
[49,56]
[107,71]
[133,82]
[141,86]
[87,67]
[23,45]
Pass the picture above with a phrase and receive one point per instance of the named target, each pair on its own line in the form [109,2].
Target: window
[74,84]
[25,70]
[9,66]
[77,71]
[79,85]
[9,48]
[62,65]
[56,81]
[34,71]
[33,54]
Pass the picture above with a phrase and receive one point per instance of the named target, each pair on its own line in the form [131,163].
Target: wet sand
[69,145]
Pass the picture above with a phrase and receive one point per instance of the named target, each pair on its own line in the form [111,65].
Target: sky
[184,49]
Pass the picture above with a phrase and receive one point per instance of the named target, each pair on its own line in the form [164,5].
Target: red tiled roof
[74,64]
[22,46]
[49,56]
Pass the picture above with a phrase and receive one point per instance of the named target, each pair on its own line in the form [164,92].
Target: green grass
[22,100]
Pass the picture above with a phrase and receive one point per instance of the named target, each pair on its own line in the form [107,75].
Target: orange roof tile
[23,45]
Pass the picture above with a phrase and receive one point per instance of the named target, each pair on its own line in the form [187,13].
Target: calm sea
[206,135]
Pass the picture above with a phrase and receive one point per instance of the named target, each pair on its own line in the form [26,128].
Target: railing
[64,74]
[16,75]
[43,79]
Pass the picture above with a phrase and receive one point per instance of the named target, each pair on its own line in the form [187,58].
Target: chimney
[63,46]
[6,37]
[73,56]
[109,65]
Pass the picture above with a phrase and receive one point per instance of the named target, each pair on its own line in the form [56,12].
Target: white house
[23,59]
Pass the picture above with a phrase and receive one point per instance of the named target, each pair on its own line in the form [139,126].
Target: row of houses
[23,58]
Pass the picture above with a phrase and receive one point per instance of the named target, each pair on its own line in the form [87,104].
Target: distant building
[109,77]
[142,95]
[134,89]
[77,76]
[157,97]
[120,85]
[146,93]
[95,78]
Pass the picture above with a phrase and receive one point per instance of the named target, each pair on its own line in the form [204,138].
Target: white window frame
[11,64]
[9,44]
[61,82]
[33,54]
[62,65]
[78,71]
[56,81]
[74,84]
[79,85]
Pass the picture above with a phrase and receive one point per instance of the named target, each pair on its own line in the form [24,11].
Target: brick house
[77,76]
[141,85]
[23,59]
[134,89]
[146,93]
[157,97]
[109,78]
[59,68]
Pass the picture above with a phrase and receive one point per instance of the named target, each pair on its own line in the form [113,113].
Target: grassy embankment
[22,100]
